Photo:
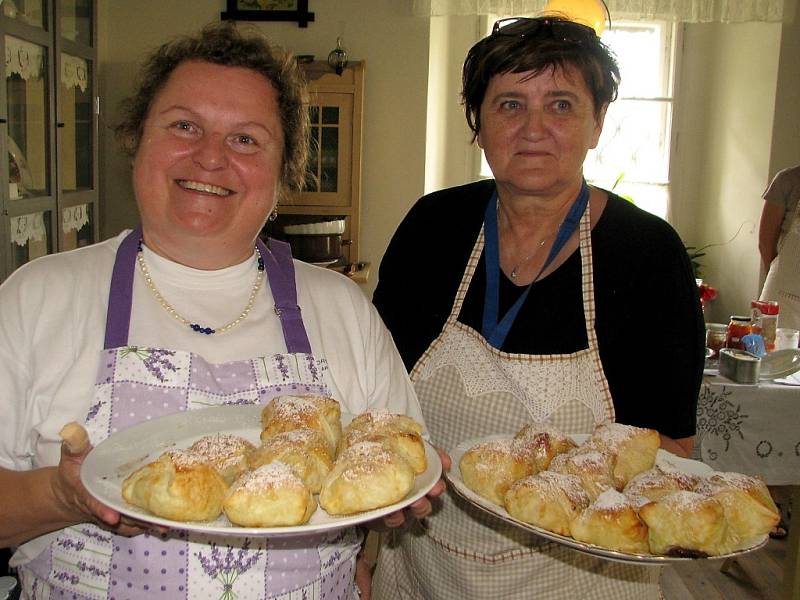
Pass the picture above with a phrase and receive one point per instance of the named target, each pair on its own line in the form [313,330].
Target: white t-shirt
[52,328]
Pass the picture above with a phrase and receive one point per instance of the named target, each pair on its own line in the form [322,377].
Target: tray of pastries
[296,465]
[613,494]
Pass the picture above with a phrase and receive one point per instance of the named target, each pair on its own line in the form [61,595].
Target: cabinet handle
[3,120]
[59,125]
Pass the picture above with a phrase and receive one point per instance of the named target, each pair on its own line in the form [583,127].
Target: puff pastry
[399,433]
[686,524]
[545,443]
[225,452]
[304,450]
[270,496]
[611,521]
[749,508]
[633,448]
[489,468]
[366,476]
[655,483]
[593,466]
[548,500]
[179,485]
[285,413]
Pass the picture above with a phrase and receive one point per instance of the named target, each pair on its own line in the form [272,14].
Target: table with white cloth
[755,429]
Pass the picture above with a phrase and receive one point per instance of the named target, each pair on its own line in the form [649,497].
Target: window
[633,154]
[634,149]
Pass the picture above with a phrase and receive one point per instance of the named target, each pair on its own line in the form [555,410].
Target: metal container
[738,365]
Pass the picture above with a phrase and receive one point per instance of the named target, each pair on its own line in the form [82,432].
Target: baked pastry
[546,442]
[634,449]
[686,524]
[225,452]
[749,508]
[179,486]
[489,468]
[611,521]
[366,476]
[660,481]
[285,413]
[270,496]
[548,500]
[399,432]
[304,450]
[593,466]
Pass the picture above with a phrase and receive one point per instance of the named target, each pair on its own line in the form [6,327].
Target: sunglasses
[526,27]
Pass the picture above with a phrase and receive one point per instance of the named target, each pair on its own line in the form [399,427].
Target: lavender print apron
[139,383]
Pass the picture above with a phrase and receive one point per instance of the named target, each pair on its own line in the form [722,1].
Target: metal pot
[316,248]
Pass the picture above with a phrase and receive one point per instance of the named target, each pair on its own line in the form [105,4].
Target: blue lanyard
[495,331]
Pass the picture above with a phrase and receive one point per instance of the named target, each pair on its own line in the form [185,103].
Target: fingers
[395,519]
[445,458]
[76,439]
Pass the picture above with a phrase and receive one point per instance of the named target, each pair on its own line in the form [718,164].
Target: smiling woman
[207,170]
[187,311]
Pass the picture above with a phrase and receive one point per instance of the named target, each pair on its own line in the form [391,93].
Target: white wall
[382,32]
[726,99]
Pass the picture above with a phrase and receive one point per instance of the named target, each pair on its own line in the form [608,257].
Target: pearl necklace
[196,326]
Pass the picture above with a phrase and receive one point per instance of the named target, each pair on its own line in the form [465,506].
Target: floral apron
[469,389]
[783,279]
[138,383]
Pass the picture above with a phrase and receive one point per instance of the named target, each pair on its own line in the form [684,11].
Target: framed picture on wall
[268,10]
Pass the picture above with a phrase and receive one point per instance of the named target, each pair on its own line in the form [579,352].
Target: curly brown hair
[224,44]
[537,45]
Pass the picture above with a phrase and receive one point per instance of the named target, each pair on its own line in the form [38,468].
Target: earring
[273,215]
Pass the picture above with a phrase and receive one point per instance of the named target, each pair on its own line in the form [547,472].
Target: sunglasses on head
[526,27]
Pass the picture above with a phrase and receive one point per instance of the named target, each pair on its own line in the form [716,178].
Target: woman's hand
[420,508]
[43,500]
[74,500]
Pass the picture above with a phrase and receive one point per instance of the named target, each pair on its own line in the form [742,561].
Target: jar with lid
[764,317]
[716,337]
[738,327]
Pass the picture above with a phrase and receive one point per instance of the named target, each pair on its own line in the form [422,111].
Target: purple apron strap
[120,297]
[280,274]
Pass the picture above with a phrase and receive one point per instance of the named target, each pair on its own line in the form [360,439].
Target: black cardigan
[649,322]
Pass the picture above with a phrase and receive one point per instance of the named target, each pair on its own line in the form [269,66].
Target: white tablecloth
[752,429]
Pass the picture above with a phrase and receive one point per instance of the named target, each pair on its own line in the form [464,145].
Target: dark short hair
[533,45]
[224,44]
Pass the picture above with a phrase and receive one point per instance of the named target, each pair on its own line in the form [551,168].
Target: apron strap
[280,274]
[120,296]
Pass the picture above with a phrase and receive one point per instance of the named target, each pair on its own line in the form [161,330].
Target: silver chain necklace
[148,279]
[515,270]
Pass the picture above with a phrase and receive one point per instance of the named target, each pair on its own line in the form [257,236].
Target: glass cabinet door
[330,157]
[76,20]
[76,126]
[30,12]
[28,134]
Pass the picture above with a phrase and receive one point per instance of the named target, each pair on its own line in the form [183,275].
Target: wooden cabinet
[48,129]
[333,187]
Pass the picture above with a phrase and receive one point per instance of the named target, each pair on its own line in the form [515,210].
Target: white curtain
[689,11]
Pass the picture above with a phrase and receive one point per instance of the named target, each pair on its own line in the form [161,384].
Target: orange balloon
[586,12]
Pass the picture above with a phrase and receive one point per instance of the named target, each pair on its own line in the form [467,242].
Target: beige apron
[469,389]
[783,279]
